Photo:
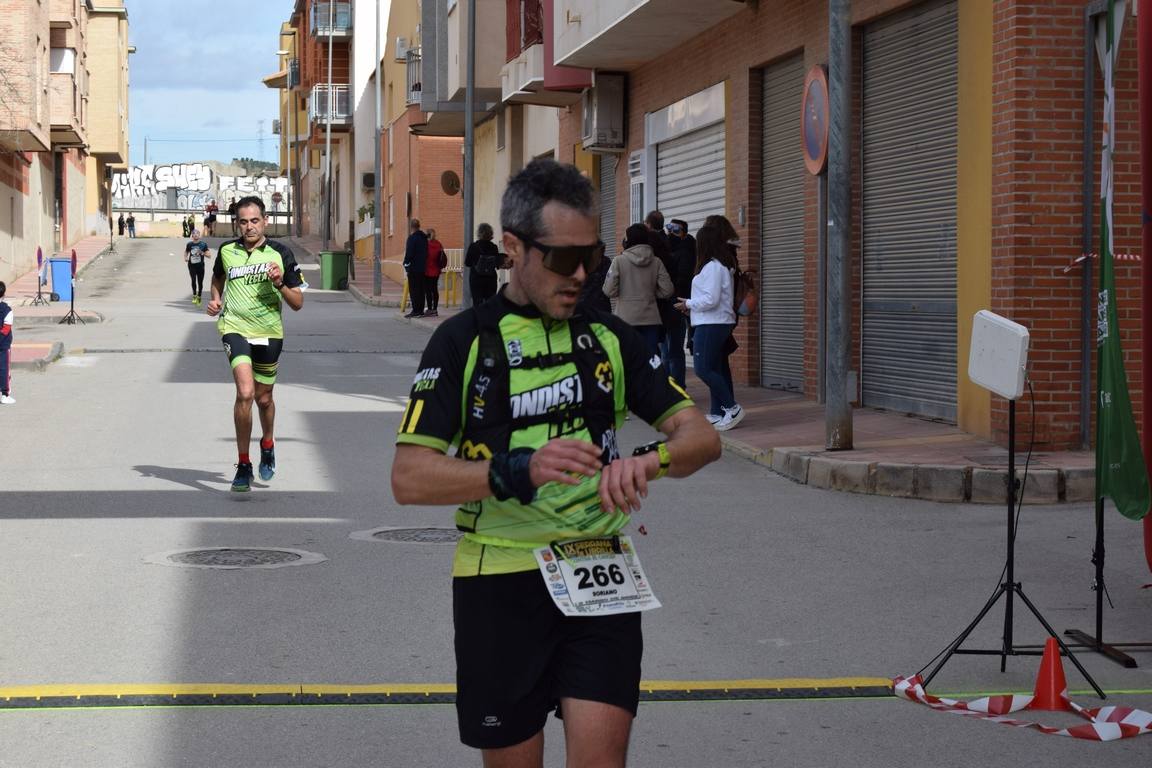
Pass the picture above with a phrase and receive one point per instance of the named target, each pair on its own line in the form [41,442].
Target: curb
[958,484]
[372,301]
[40,363]
[86,315]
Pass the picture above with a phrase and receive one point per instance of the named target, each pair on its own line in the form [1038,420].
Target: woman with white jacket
[713,317]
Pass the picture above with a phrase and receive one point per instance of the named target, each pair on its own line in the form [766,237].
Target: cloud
[188,124]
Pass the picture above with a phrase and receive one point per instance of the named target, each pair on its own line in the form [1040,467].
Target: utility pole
[377,202]
[327,225]
[838,404]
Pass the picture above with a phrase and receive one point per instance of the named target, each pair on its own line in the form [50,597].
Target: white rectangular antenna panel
[999,355]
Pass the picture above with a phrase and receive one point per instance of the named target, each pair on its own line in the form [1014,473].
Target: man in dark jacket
[672,322]
[682,268]
[415,260]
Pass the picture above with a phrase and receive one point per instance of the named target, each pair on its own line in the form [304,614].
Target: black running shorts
[263,356]
[517,655]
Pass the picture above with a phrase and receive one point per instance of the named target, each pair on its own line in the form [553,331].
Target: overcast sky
[195,78]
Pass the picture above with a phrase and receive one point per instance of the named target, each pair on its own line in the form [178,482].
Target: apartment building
[52,191]
[316,117]
[108,51]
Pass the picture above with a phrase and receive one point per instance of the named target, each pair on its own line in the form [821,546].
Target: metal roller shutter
[908,338]
[782,288]
[608,204]
[690,176]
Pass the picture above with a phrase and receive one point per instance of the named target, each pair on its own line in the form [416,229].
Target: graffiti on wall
[190,187]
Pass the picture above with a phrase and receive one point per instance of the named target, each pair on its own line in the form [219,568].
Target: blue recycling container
[61,277]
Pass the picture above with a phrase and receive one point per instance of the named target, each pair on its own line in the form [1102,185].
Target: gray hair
[542,182]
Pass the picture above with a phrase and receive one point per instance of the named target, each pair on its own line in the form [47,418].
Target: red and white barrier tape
[1104,724]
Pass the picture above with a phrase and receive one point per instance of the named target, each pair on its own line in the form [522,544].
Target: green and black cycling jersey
[503,377]
[251,304]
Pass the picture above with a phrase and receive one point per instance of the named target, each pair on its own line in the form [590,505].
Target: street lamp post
[291,100]
[328,132]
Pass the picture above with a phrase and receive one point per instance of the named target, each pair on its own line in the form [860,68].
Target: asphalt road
[122,452]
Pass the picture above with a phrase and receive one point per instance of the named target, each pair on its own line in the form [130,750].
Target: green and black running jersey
[251,304]
[549,398]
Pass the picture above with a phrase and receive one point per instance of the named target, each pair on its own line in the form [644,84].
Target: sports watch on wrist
[661,449]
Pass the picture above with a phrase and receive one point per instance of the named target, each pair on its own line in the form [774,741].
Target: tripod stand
[71,318]
[1009,589]
[39,300]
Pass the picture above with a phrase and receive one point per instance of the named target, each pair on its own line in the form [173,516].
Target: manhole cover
[411,535]
[236,557]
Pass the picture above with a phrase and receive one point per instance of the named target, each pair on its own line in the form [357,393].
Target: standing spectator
[120,225]
[437,260]
[232,217]
[482,260]
[713,318]
[592,293]
[195,254]
[682,268]
[184,230]
[5,348]
[732,242]
[636,280]
[210,211]
[415,262]
[131,221]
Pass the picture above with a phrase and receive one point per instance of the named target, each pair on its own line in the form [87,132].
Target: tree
[252,166]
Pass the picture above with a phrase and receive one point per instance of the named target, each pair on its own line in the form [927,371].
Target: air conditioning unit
[368,181]
[603,129]
[401,49]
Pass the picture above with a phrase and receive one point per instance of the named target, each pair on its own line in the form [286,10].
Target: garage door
[908,335]
[690,176]
[782,230]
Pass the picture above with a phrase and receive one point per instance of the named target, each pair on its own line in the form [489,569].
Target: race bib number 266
[595,577]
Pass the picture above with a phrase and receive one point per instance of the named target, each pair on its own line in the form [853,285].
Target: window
[62,60]
[389,145]
[391,216]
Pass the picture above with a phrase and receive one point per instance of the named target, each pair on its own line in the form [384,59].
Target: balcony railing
[414,76]
[322,95]
[340,18]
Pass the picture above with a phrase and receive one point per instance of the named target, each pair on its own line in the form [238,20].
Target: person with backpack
[482,260]
[6,323]
[437,261]
[514,419]
[683,268]
[713,318]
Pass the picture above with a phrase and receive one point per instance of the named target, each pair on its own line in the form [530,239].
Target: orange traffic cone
[1051,692]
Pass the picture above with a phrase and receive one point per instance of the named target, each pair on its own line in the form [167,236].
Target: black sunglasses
[564,259]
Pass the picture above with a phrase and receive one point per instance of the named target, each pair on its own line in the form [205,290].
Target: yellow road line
[71,690]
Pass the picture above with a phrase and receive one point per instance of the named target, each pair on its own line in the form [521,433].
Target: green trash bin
[334,270]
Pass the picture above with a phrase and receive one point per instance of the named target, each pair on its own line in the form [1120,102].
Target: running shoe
[732,417]
[267,463]
[7,400]
[242,483]
[714,419]
[196,300]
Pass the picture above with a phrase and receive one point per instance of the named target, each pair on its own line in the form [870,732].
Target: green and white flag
[1120,471]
